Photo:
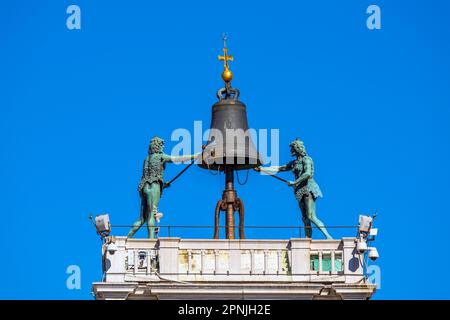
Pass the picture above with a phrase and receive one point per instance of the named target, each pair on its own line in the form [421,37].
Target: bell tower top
[227,75]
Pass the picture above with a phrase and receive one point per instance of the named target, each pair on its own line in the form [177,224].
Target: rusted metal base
[230,203]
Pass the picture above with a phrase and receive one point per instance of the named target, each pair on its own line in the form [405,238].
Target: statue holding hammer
[305,187]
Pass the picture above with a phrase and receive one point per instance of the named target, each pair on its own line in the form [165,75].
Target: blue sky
[78,109]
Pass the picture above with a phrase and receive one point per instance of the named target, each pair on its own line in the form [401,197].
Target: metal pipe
[229,189]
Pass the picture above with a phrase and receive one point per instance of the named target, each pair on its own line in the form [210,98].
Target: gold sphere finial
[227,75]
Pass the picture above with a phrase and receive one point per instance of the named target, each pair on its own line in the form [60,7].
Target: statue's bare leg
[310,205]
[153,193]
[138,224]
[305,219]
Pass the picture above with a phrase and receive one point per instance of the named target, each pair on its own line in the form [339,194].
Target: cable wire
[238,180]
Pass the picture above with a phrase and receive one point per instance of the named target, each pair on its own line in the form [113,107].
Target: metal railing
[189,231]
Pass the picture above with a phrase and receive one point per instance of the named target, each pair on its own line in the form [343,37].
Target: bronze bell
[229,143]
[230,147]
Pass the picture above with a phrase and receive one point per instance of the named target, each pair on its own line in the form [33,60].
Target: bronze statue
[305,187]
[152,184]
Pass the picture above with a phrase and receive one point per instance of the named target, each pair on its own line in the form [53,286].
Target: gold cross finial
[227,75]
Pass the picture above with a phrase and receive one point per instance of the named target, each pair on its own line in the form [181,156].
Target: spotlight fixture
[102,224]
[365,223]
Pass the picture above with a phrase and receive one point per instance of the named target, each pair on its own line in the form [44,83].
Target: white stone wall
[198,262]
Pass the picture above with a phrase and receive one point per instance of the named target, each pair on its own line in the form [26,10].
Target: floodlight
[365,223]
[102,224]
[373,232]
[373,253]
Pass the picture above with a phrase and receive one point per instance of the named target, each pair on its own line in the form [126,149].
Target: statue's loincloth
[308,187]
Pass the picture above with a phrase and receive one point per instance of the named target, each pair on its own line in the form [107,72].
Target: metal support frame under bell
[229,204]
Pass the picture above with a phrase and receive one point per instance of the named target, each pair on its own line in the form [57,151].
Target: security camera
[361,246]
[112,247]
[373,253]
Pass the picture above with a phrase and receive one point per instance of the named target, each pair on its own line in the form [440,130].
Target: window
[326,262]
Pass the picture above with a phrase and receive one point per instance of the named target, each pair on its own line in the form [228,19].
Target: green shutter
[314,262]
[338,263]
[326,263]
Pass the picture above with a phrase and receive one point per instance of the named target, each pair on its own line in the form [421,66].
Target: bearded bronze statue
[152,184]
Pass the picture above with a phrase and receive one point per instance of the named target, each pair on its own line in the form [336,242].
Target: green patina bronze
[152,184]
[305,187]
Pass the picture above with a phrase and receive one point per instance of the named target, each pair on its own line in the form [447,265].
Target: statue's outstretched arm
[184,158]
[274,169]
